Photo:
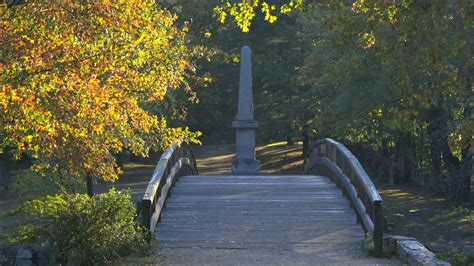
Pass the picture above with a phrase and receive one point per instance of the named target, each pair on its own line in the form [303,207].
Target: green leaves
[83,229]
[72,93]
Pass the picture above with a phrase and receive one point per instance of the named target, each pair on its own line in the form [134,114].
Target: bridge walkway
[306,213]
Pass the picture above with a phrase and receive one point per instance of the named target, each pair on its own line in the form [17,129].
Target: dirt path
[276,158]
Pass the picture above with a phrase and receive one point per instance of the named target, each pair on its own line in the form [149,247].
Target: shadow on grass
[435,222]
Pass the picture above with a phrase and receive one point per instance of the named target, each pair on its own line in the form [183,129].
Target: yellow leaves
[220,13]
[391,13]
[285,9]
[28,39]
[183,65]
[366,40]
[99,129]
[29,138]
[14,96]
[208,34]
[185,28]
[243,11]
[266,9]
[385,10]
[87,79]
[377,112]
[359,7]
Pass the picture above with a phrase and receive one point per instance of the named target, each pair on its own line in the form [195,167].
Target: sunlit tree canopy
[74,77]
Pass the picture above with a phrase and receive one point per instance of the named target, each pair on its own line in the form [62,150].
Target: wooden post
[378,229]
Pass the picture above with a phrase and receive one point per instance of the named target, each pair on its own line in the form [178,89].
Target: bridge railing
[330,158]
[176,161]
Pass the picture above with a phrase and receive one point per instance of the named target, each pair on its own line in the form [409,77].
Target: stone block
[413,252]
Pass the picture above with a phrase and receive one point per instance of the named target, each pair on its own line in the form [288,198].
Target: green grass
[436,222]
[456,215]
[457,257]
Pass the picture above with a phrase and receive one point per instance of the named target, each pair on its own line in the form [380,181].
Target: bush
[85,230]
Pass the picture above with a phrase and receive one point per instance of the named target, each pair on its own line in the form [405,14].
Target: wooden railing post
[378,229]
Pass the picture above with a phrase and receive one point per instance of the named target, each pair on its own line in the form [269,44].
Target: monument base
[245,167]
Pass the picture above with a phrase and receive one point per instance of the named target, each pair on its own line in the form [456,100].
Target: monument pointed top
[245,47]
[245,107]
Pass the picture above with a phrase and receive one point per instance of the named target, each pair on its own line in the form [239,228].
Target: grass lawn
[435,222]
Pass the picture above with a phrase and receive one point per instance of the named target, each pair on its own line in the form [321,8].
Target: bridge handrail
[330,158]
[176,161]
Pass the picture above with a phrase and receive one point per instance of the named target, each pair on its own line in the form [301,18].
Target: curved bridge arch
[326,158]
[330,158]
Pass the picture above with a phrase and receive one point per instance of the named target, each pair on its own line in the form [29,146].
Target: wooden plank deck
[258,212]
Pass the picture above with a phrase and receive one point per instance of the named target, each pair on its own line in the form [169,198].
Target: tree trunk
[467,71]
[453,166]
[90,188]
[440,149]
[289,140]
[403,144]
[434,135]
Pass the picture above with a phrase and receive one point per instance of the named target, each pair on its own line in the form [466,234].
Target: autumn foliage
[75,75]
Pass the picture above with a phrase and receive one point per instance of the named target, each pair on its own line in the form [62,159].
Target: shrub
[85,230]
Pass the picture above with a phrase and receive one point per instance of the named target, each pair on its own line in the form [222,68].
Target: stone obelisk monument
[244,124]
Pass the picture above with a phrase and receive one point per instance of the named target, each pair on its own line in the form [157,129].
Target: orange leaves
[77,78]
[183,65]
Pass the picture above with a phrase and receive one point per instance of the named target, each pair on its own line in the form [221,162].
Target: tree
[74,79]
[400,71]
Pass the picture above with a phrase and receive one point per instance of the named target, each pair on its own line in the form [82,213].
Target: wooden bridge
[334,205]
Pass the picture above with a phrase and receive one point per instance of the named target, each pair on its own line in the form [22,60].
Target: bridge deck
[303,213]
